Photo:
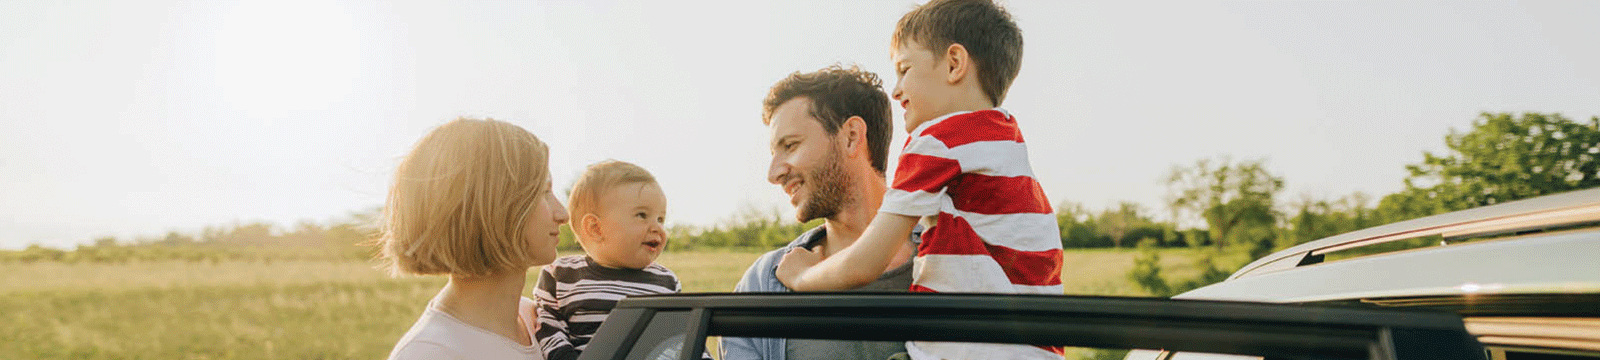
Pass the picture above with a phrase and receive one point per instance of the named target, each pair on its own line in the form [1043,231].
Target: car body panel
[1561,263]
[1583,201]
[1525,273]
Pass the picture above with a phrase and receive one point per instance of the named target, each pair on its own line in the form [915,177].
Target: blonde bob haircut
[461,200]
[595,181]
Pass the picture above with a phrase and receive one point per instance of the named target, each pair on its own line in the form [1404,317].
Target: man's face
[806,162]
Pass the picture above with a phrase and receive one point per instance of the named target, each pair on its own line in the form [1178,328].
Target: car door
[676,326]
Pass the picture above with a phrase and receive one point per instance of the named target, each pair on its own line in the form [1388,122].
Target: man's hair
[461,200]
[984,28]
[595,181]
[836,94]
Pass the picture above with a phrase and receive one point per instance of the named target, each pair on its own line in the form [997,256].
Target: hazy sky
[129,118]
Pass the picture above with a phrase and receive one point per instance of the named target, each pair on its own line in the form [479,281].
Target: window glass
[663,339]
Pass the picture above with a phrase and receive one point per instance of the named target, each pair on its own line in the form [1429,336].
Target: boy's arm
[552,337]
[856,265]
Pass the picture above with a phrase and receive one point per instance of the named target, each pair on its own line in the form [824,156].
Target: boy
[617,214]
[965,166]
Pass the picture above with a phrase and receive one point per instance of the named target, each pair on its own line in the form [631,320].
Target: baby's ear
[589,227]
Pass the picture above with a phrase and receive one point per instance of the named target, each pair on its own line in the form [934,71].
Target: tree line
[1502,157]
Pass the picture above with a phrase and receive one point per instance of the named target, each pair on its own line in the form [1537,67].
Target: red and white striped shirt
[996,231]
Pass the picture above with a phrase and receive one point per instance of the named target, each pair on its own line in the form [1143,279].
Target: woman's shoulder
[430,338]
[528,310]
[423,350]
[437,335]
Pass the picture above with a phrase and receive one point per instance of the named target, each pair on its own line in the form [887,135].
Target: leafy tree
[1119,221]
[1078,227]
[1146,273]
[1502,158]
[1316,219]
[1234,199]
[175,238]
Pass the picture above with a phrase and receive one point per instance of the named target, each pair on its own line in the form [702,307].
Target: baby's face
[632,226]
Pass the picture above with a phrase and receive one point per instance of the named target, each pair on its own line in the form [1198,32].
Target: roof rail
[1540,213]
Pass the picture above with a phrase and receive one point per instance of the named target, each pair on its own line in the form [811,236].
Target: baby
[617,213]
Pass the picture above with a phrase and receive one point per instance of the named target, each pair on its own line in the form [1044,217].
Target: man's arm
[856,265]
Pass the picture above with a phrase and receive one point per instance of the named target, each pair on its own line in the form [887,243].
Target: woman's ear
[589,227]
[957,63]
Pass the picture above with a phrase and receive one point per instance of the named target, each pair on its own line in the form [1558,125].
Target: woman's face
[544,226]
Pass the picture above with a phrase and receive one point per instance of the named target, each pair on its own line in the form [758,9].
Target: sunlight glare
[274,57]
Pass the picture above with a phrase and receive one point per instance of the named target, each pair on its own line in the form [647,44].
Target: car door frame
[1271,330]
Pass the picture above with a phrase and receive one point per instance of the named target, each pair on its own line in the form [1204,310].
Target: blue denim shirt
[762,276]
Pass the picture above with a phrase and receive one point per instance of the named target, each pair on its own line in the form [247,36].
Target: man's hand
[794,264]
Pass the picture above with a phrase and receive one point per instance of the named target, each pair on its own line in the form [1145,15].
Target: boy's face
[921,83]
[630,230]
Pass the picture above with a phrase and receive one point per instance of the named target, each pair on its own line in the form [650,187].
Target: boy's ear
[589,227]
[854,131]
[957,63]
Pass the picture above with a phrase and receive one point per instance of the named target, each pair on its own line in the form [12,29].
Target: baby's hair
[461,200]
[985,29]
[595,181]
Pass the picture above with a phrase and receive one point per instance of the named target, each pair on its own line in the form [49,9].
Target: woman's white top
[437,335]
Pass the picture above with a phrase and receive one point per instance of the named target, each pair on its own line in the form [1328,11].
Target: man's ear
[589,227]
[957,63]
[854,133]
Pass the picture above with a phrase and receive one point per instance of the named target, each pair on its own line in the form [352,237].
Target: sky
[132,119]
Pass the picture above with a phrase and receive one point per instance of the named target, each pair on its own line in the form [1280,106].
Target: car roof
[1563,263]
[1551,211]
[1563,260]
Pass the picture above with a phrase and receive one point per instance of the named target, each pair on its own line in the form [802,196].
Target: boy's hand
[794,264]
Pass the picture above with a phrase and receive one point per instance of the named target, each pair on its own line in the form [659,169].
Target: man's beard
[830,190]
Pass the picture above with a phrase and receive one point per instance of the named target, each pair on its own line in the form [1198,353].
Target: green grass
[1104,271]
[312,309]
[315,321]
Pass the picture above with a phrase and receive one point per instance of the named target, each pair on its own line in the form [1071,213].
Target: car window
[663,338]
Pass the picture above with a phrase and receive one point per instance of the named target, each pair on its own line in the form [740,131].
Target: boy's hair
[602,176]
[461,201]
[983,27]
[836,94]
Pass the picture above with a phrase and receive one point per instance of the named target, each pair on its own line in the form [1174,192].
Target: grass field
[314,310]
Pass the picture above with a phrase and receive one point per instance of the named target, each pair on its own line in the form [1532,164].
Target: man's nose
[776,171]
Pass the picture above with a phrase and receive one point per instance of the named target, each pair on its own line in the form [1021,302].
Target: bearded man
[830,133]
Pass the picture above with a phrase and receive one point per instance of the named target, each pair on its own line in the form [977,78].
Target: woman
[472,201]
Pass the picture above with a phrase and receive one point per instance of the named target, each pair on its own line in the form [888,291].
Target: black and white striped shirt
[575,294]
